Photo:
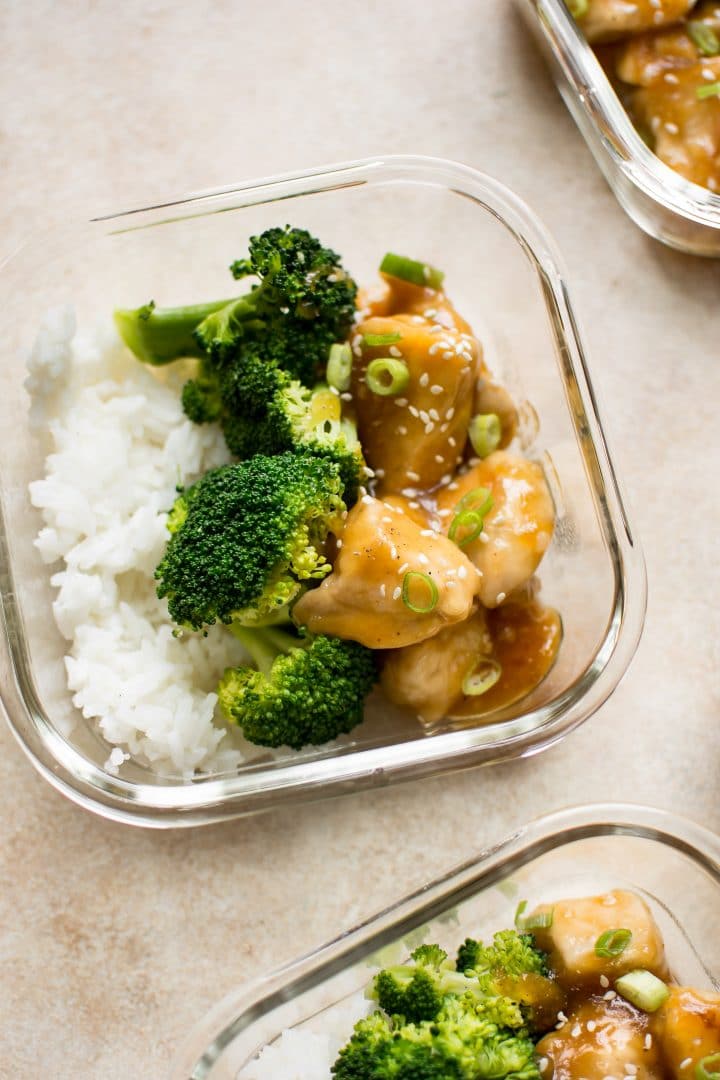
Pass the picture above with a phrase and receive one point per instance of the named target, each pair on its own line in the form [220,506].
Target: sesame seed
[604,981]
[427,532]
[386,520]
[382,589]
[562,1018]
[417,318]
[429,427]
[412,476]
[672,129]
[591,1025]
[446,478]
[433,414]
[434,348]
[394,351]
[462,572]
[380,473]
[444,513]
[709,74]
[610,995]
[436,328]
[422,557]
[401,402]
[451,584]
[396,592]
[444,427]
[430,312]
[670,78]
[436,388]
[685,1062]
[424,416]
[453,486]
[449,414]
[648,1041]
[414,505]
[409,492]
[366,499]
[393,552]
[413,411]
[500,597]
[405,566]
[334,390]
[338,544]
[402,430]
[439,458]
[577,1030]
[451,572]
[452,441]
[631,1069]
[424,379]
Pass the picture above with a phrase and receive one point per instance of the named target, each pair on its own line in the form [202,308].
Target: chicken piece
[396,297]
[429,676]
[687,1027]
[414,438]
[608,20]
[392,584]
[516,530]
[576,927]
[600,1039]
[641,60]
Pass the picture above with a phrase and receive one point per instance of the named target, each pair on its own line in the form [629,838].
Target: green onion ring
[578,8]
[339,366]
[705,1065]
[542,921]
[407,582]
[387,376]
[468,519]
[485,432]
[481,676]
[418,273]
[380,339]
[704,37]
[613,942]
[481,495]
[642,989]
[709,90]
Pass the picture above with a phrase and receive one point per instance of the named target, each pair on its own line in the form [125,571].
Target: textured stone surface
[113,941]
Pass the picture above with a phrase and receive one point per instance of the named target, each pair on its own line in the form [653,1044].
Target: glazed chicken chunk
[392,584]
[687,1026]
[413,434]
[516,530]
[577,925]
[429,676]
[670,100]
[608,20]
[600,1039]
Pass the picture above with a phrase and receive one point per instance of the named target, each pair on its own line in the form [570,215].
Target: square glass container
[673,864]
[504,275]
[659,200]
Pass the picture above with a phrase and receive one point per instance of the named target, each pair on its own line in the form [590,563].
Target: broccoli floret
[305,690]
[463,1042]
[511,954]
[303,303]
[245,537]
[417,990]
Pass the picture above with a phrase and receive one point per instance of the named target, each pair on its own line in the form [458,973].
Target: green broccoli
[246,536]
[304,302]
[306,690]
[511,954]
[416,990]
[463,1042]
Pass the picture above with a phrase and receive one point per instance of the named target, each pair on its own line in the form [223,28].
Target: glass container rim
[202,800]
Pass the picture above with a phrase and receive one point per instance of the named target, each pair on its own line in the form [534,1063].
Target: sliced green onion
[339,366]
[642,989]
[704,37]
[484,674]
[418,575]
[543,920]
[469,517]
[709,90]
[708,1068]
[613,942]
[480,499]
[469,520]
[381,339]
[485,432]
[577,8]
[418,273]
[387,376]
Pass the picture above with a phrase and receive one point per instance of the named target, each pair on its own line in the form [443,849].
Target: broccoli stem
[161,335]
[266,643]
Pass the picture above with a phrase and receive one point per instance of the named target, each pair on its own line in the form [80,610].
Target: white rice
[309,1052]
[120,444]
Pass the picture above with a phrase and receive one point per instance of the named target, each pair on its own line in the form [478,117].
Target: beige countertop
[115,940]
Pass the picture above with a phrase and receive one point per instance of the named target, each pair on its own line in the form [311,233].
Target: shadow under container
[661,201]
[673,864]
[503,274]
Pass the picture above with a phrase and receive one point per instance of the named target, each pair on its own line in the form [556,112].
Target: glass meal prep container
[672,863]
[503,274]
[659,200]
